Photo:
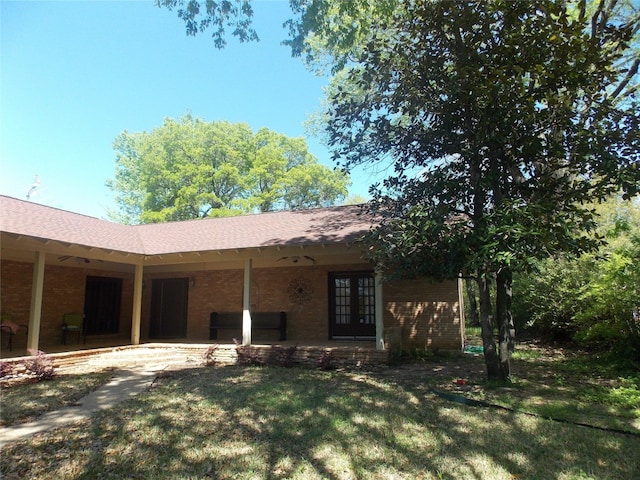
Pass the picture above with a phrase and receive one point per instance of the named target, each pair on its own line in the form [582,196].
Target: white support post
[246,304]
[35,311]
[379,312]
[136,314]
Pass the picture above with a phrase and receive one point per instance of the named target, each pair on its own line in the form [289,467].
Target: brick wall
[211,291]
[428,313]
[63,293]
[15,290]
[222,290]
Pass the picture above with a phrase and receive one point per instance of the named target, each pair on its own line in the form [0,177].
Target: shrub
[282,356]
[325,361]
[247,355]
[40,366]
[590,299]
[417,354]
[6,369]
[209,356]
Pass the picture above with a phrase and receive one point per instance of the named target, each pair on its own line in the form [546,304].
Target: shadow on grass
[25,402]
[268,423]
[573,388]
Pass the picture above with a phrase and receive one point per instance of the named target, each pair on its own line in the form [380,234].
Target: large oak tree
[190,168]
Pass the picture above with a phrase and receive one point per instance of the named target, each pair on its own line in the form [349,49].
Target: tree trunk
[474,321]
[488,342]
[507,332]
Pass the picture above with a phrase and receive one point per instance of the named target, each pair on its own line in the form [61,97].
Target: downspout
[35,311]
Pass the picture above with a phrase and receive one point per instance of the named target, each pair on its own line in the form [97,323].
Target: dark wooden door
[102,300]
[352,305]
[169,302]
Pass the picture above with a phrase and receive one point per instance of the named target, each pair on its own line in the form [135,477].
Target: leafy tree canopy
[189,168]
[593,299]
[215,17]
[500,119]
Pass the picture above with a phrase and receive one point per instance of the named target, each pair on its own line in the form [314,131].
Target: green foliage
[418,355]
[190,169]
[454,95]
[627,394]
[215,17]
[592,299]
[545,298]
[355,200]
[329,34]
[502,119]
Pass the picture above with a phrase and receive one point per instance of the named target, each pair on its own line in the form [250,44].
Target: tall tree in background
[593,299]
[194,169]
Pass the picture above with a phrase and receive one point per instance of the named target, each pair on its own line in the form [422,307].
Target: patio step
[119,357]
[160,356]
[346,356]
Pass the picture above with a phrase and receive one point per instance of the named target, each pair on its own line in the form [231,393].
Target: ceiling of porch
[22,249]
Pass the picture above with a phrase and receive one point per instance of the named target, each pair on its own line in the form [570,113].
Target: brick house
[163,282]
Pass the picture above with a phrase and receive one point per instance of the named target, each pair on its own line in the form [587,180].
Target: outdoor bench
[259,321]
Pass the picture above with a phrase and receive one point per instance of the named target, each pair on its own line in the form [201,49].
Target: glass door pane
[352,305]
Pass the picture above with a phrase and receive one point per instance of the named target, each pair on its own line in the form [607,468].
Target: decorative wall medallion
[300,291]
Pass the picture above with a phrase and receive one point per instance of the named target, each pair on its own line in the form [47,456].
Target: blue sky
[75,74]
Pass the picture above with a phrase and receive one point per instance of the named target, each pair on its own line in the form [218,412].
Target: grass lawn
[24,402]
[271,422]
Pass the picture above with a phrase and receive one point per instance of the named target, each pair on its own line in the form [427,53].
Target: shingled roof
[343,224]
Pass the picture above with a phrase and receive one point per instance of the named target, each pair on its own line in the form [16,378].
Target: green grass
[567,387]
[599,390]
[22,403]
[269,423]
[473,331]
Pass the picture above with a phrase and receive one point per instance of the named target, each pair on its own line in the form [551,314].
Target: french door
[352,305]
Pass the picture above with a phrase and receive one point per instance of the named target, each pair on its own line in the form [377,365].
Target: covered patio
[162,284]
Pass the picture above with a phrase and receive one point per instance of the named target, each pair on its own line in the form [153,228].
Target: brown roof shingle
[303,227]
[31,219]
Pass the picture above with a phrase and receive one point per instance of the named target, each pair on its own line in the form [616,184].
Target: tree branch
[625,81]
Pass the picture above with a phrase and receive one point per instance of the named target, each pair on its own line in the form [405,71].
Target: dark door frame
[359,304]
